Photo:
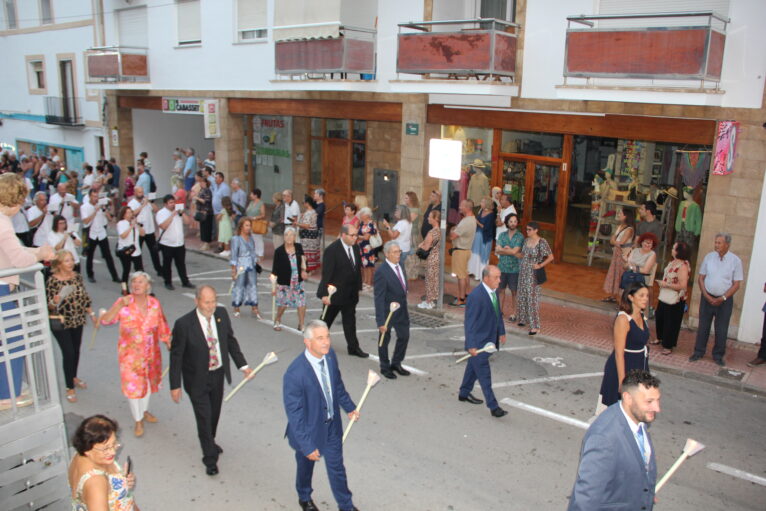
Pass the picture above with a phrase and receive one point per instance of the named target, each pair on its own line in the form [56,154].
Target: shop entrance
[337,175]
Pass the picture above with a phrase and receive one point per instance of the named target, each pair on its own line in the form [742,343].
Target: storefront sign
[183,106]
[444,158]
[411,128]
[212,125]
[725,148]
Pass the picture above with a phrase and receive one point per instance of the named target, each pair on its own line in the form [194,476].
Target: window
[189,23]
[46,12]
[131,27]
[36,74]
[11,21]
[251,20]
[498,9]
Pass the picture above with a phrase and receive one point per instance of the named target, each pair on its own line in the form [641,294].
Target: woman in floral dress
[431,241]
[536,254]
[289,268]
[142,327]
[366,231]
[309,234]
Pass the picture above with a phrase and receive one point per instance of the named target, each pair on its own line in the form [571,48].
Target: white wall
[751,321]
[159,134]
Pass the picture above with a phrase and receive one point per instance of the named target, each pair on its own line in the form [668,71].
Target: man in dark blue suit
[313,393]
[391,286]
[618,470]
[483,324]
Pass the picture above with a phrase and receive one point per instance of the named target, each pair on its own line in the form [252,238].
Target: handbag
[200,216]
[669,296]
[126,251]
[259,226]
[56,322]
[630,277]
[376,241]
[540,276]
[423,254]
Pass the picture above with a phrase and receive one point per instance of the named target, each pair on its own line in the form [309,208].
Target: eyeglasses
[352,235]
[114,448]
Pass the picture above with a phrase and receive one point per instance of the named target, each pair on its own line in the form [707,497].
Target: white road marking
[544,379]
[554,361]
[735,472]
[546,413]
[459,353]
[451,326]
[411,369]
[228,270]
[284,327]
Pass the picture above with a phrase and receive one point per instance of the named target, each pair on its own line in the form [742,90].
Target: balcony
[481,48]
[63,111]
[352,52]
[659,46]
[116,64]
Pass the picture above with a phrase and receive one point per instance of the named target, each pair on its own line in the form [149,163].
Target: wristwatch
[724,298]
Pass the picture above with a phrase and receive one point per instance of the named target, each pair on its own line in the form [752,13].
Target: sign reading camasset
[183,106]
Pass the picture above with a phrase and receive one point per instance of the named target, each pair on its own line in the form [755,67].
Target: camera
[140,224]
[71,234]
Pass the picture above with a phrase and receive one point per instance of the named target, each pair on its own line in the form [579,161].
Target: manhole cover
[427,320]
[731,374]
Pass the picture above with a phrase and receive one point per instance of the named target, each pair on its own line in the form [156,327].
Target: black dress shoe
[218,448]
[498,412]
[188,285]
[388,373]
[115,279]
[308,505]
[211,470]
[694,358]
[358,353]
[399,369]
[91,279]
[469,398]
[719,361]
[169,287]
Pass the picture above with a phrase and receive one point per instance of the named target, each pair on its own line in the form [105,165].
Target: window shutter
[189,22]
[132,27]
[251,14]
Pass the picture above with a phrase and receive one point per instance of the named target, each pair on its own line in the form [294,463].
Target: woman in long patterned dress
[621,239]
[243,259]
[536,254]
[431,241]
[289,269]
[142,327]
[309,234]
[366,231]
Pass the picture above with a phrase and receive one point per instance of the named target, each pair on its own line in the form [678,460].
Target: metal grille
[428,320]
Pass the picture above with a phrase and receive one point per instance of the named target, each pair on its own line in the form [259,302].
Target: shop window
[189,22]
[36,75]
[251,21]
[358,166]
[11,20]
[316,160]
[360,130]
[337,128]
[539,144]
[324,131]
[476,162]
[316,128]
[46,12]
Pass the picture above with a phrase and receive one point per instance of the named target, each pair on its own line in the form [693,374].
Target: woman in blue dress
[243,261]
[631,335]
[485,235]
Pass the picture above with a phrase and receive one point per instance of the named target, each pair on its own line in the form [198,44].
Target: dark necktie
[326,388]
[351,258]
[401,280]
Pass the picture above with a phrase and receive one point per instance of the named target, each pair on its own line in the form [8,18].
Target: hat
[672,192]
[478,162]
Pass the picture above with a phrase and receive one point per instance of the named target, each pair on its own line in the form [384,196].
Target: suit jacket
[612,474]
[389,289]
[306,407]
[190,355]
[337,270]
[482,323]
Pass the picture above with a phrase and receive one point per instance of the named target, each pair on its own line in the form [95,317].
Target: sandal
[257,314]
[512,318]
[608,299]
[300,328]
[655,342]
[666,351]
[80,384]
[71,396]
[236,314]
[277,326]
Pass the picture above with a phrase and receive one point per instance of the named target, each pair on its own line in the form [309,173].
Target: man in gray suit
[617,466]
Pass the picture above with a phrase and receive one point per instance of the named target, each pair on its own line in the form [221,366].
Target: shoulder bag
[259,226]
[376,241]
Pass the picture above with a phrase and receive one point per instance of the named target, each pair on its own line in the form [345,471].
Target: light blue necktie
[326,389]
[640,438]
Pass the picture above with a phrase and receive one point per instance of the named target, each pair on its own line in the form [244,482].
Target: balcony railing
[481,48]
[116,64]
[64,111]
[351,53]
[665,46]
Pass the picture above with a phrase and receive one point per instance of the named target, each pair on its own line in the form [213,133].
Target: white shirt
[404,240]
[634,429]
[87,183]
[346,248]
[145,217]
[204,324]
[720,274]
[43,228]
[292,210]
[130,239]
[174,234]
[318,370]
[67,211]
[489,291]
[504,213]
[54,238]
[98,224]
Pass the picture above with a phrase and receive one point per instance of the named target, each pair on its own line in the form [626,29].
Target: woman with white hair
[142,327]
[366,231]
[290,269]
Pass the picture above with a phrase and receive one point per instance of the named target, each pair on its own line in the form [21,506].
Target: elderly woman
[60,239]
[621,241]
[431,243]
[309,234]
[536,254]
[366,231]
[13,193]
[482,241]
[68,298]
[204,214]
[96,480]
[401,232]
[640,261]
[128,246]
[289,268]
[244,258]
[142,328]
[672,299]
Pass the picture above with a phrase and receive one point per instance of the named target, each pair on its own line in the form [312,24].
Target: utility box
[385,192]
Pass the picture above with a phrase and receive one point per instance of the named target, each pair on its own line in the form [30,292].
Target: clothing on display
[478,186]
[693,165]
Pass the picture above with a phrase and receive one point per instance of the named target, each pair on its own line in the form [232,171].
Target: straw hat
[478,162]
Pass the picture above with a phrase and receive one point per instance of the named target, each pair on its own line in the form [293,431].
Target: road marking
[459,353]
[735,472]
[284,327]
[411,369]
[546,413]
[554,361]
[451,326]
[228,270]
[544,379]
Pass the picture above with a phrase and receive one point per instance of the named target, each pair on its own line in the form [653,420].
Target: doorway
[68,102]
[336,175]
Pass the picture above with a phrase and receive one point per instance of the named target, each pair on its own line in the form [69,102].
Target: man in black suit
[342,267]
[202,342]
[391,286]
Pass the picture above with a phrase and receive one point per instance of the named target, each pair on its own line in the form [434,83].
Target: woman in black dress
[631,335]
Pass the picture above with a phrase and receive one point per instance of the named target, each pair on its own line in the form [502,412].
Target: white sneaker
[225,254]
[425,305]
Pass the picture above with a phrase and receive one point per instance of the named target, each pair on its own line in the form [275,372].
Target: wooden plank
[359,110]
[143,102]
[631,127]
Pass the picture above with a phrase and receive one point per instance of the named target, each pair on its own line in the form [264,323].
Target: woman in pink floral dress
[142,327]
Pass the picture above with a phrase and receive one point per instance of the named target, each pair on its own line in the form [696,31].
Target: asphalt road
[416,447]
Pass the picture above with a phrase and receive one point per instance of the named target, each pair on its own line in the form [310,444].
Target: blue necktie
[326,389]
[640,438]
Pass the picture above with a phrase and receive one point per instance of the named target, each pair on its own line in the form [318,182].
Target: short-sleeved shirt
[173,236]
[465,230]
[509,263]
[404,240]
[145,217]
[97,226]
[292,210]
[63,205]
[654,227]
[719,273]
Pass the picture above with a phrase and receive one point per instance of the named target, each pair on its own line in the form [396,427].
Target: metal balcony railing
[665,46]
[483,48]
[64,111]
[116,64]
[350,53]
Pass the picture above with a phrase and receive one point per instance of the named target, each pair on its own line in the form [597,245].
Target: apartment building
[548,97]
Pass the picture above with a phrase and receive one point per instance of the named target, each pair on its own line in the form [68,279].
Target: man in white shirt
[87,180]
[64,204]
[506,209]
[292,208]
[210,160]
[238,197]
[144,211]
[171,241]
[95,218]
[39,219]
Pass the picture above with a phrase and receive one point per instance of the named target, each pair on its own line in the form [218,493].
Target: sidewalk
[586,324]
